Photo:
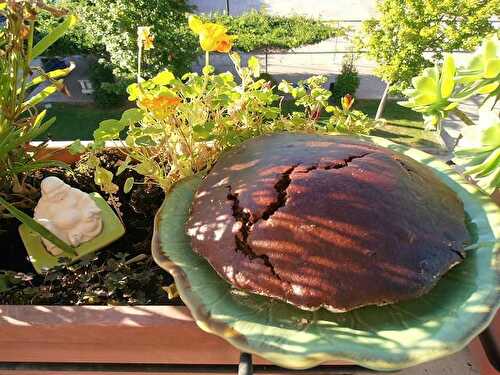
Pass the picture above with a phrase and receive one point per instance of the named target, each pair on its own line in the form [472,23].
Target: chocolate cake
[326,221]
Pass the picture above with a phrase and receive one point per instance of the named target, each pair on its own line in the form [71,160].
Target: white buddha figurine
[69,213]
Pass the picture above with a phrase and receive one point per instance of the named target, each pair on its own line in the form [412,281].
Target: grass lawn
[403,125]
[77,121]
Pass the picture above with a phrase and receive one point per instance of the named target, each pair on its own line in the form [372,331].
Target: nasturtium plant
[181,124]
[346,120]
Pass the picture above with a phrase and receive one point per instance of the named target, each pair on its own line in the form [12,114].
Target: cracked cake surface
[326,221]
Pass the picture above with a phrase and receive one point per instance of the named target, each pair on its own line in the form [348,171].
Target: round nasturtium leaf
[383,338]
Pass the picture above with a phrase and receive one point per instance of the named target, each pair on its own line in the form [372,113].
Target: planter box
[108,334]
[118,334]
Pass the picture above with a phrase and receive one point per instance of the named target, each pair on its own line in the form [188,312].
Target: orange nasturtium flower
[144,37]
[213,37]
[160,106]
[347,102]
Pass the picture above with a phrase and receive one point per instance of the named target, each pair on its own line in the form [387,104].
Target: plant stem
[207,58]
[139,61]
[462,116]
[26,69]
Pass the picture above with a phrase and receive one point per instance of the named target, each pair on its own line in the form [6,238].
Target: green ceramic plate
[381,338]
[42,260]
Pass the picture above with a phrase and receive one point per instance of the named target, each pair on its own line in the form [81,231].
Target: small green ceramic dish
[391,337]
[42,260]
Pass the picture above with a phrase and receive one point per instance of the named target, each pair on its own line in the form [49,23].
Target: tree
[413,34]
[109,28]
[74,42]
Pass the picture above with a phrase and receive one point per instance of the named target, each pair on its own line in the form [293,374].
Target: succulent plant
[439,90]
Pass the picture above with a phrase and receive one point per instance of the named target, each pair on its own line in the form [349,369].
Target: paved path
[308,62]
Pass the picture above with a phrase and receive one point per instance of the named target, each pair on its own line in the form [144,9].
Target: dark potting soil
[142,285]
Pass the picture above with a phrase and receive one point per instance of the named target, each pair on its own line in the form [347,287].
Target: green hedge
[257,30]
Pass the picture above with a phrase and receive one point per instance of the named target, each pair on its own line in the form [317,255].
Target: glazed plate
[384,338]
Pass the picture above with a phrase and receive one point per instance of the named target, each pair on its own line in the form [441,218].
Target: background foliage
[256,30]
[408,28]
[108,28]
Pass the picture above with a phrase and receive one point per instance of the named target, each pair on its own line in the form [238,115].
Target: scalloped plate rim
[309,360]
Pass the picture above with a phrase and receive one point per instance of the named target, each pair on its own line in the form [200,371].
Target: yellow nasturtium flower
[144,37]
[213,37]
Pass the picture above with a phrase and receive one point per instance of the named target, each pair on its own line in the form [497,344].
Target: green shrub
[347,82]
[256,30]
[108,91]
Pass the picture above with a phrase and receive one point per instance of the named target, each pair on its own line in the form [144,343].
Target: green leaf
[145,168]
[451,106]
[37,227]
[203,132]
[145,140]
[486,89]
[53,75]
[77,148]
[489,49]
[133,91]
[425,85]
[108,130]
[447,76]
[492,68]
[42,95]
[132,116]
[487,165]
[104,179]
[163,78]
[129,184]
[425,99]
[254,65]
[285,86]
[491,182]
[208,69]
[236,58]
[53,36]
[37,130]
[491,136]
[36,165]
[123,166]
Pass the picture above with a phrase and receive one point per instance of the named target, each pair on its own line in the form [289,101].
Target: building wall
[323,9]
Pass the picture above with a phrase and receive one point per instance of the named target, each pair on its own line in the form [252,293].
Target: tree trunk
[383,101]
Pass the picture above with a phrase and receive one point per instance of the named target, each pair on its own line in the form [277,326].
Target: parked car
[53,63]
